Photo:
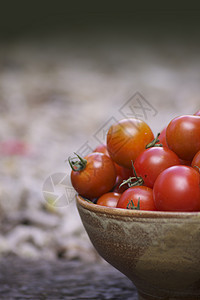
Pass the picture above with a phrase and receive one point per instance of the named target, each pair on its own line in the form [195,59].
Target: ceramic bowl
[158,251]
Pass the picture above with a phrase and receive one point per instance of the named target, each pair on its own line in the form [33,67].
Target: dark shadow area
[153,20]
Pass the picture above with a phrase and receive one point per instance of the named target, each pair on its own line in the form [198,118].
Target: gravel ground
[56,280]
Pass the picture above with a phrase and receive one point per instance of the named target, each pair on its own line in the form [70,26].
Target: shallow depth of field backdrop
[63,79]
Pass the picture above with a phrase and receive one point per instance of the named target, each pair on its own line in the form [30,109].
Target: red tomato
[197,113]
[162,138]
[93,176]
[117,187]
[102,149]
[183,136]
[127,139]
[109,199]
[122,173]
[185,162]
[151,162]
[130,198]
[196,162]
[177,189]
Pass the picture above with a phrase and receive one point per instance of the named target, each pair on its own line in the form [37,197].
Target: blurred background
[66,71]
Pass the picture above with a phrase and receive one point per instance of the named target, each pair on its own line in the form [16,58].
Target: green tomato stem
[153,143]
[79,164]
[137,180]
[128,181]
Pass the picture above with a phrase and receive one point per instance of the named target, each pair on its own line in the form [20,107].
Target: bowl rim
[80,201]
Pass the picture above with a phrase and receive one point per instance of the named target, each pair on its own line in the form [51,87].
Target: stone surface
[61,279]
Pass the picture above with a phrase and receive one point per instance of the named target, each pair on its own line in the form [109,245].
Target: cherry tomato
[163,141]
[102,149]
[127,139]
[177,189]
[196,162]
[183,136]
[117,187]
[122,173]
[185,162]
[93,176]
[162,138]
[137,197]
[197,113]
[109,199]
[151,162]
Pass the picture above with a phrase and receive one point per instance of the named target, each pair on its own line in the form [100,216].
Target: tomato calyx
[131,205]
[77,163]
[154,142]
[137,180]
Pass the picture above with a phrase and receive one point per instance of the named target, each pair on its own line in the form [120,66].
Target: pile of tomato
[136,170]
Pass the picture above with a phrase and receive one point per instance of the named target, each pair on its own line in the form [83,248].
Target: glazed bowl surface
[158,251]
